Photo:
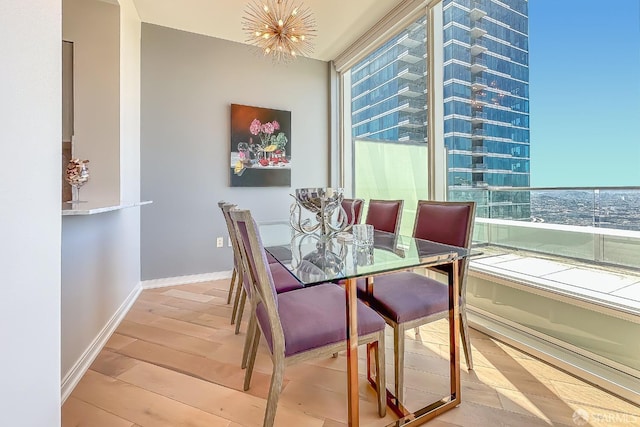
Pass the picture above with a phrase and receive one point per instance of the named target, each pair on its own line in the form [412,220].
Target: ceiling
[339,22]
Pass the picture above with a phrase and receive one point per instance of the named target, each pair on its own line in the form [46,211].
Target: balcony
[477,13]
[411,89]
[477,134]
[479,83]
[479,167]
[479,150]
[410,40]
[411,136]
[478,65]
[411,72]
[478,117]
[411,56]
[411,122]
[477,30]
[478,47]
[412,105]
[561,265]
[541,277]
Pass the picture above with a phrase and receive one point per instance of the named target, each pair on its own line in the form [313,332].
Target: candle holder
[323,202]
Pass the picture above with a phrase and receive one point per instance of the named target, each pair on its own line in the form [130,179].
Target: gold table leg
[421,416]
[352,352]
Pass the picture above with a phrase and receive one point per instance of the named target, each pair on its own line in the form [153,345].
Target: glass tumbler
[363,235]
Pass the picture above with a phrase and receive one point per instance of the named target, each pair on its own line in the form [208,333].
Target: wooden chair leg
[243,300]
[236,302]
[274,392]
[398,350]
[231,285]
[466,339]
[381,382]
[252,359]
[248,340]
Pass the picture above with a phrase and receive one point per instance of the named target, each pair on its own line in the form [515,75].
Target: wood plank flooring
[175,361]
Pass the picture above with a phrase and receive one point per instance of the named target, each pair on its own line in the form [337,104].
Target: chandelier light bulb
[275,26]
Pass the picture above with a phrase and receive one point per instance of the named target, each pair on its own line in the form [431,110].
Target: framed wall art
[260,147]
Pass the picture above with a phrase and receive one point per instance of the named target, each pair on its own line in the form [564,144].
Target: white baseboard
[183,280]
[81,366]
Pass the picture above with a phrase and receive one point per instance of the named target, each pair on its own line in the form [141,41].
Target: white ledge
[96,207]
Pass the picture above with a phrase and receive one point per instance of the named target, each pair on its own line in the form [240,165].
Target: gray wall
[188,84]
[31,110]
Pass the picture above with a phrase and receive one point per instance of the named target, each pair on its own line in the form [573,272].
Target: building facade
[485,95]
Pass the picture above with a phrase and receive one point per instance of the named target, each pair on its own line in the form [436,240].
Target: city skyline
[585,93]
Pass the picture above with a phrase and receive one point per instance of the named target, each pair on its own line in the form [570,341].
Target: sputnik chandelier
[280,28]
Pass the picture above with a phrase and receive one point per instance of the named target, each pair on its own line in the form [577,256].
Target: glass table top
[313,259]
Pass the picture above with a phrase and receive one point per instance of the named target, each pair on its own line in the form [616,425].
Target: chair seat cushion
[315,316]
[283,280]
[270,258]
[406,296]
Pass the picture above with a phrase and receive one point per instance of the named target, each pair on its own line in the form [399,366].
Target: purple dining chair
[408,300]
[353,209]
[283,279]
[301,324]
[385,215]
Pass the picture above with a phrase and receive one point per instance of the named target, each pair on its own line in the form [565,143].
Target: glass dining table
[315,259]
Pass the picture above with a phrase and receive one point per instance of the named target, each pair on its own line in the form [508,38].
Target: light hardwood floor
[175,361]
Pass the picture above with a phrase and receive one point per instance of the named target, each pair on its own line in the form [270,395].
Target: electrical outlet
[220,242]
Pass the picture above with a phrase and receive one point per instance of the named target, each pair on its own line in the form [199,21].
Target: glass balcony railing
[478,29]
[561,264]
[597,225]
[412,89]
[479,83]
[411,72]
[412,105]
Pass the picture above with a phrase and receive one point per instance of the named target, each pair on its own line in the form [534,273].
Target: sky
[584,65]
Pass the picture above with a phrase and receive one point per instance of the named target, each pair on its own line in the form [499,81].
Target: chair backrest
[235,245]
[353,207]
[225,208]
[385,215]
[255,262]
[450,223]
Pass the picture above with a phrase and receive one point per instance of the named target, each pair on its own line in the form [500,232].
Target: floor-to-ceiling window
[537,122]
[388,132]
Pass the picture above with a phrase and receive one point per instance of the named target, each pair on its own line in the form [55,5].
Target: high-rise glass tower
[486,98]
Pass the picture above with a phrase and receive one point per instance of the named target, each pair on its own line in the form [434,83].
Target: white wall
[30,107]
[93,27]
[101,253]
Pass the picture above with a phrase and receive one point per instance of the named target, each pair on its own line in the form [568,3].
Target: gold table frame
[406,417]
